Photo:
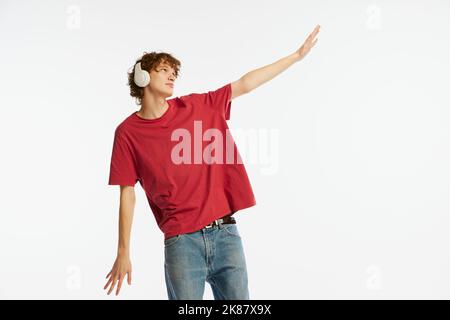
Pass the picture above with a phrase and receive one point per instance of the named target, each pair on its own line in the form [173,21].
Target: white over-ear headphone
[141,77]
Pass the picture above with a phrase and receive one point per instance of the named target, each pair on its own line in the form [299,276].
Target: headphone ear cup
[141,77]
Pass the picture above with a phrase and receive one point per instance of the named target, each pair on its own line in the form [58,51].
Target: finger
[129,278]
[310,38]
[315,32]
[311,42]
[113,285]
[109,273]
[314,42]
[107,284]
[119,285]
[316,29]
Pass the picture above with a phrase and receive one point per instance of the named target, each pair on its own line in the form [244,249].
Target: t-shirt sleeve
[123,167]
[219,100]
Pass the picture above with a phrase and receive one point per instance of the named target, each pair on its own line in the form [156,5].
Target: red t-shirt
[186,161]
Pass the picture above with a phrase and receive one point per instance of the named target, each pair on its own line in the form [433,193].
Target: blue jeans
[214,255]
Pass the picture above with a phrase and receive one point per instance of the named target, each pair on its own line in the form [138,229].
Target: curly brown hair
[149,61]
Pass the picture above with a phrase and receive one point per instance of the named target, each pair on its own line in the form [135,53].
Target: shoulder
[206,95]
[124,126]
[216,89]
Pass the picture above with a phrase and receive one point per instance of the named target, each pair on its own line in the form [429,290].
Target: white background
[358,205]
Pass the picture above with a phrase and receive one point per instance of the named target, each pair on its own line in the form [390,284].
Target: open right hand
[121,268]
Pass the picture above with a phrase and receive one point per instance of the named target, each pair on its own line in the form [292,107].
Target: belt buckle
[212,224]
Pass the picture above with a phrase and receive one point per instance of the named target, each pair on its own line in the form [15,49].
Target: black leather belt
[224,220]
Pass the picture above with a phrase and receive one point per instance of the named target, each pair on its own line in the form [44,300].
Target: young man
[181,152]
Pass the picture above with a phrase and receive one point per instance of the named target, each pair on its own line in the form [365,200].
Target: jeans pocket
[172,240]
[231,229]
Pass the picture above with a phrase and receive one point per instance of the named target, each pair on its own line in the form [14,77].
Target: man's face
[163,79]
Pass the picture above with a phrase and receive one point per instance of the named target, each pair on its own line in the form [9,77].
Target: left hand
[308,44]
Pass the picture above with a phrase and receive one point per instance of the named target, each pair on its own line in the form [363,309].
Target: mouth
[170,84]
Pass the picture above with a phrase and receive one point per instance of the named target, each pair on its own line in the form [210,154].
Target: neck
[152,106]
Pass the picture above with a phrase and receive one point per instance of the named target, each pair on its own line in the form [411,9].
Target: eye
[166,69]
